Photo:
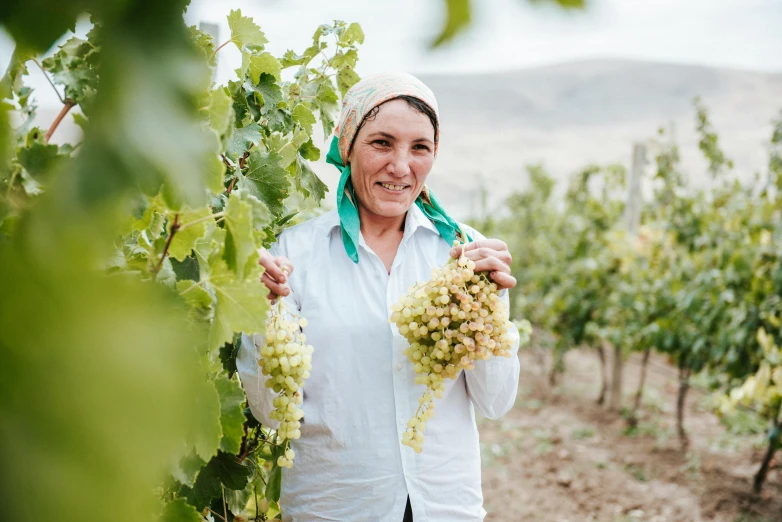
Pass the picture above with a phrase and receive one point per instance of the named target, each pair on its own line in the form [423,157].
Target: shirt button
[398,367]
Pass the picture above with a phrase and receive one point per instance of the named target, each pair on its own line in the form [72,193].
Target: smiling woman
[387,233]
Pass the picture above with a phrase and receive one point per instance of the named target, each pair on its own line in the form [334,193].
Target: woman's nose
[400,164]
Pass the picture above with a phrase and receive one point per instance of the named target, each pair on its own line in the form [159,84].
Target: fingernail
[454,251]
[283,278]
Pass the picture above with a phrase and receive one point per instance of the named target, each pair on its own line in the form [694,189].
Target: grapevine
[451,321]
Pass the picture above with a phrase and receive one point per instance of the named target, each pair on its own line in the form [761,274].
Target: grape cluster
[286,361]
[454,319]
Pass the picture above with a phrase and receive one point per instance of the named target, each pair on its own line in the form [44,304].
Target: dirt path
[559,457]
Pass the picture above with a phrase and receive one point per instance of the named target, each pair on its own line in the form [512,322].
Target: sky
[507,34]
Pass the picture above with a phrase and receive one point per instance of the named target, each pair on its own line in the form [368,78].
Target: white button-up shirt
[350,464]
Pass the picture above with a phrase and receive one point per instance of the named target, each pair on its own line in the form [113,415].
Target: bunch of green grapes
[454,319]
[286,361]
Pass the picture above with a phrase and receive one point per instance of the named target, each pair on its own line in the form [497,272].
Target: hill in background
[568,115]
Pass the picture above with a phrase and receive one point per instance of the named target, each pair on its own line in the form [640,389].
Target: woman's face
[391,158]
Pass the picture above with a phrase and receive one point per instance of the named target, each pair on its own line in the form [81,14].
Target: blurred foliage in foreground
[128,261]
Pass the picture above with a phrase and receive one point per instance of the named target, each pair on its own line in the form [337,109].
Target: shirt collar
[415,218]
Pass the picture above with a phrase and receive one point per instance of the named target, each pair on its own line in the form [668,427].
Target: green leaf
[185,238]
[231,413]
[309,182]
[242,139]
[207,440]
[39,159]
[352,35]
[264,63]
[241,304]
[346,78]
[205,43]
[458,14]
[244,31]
[222,469]
[309,151]
[180,511]
[266,179]
[221,111]
[239,240]
[270,92]
[304,117]
[345,59]
[74,67]
[289,150]
[186,470]
[274,480]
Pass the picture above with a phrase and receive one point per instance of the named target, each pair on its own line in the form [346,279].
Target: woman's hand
[489,255]
[276,273]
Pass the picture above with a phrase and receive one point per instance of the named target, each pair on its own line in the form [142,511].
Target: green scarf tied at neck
[348,211]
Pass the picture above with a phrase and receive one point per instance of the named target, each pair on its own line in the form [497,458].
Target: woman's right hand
[277,270]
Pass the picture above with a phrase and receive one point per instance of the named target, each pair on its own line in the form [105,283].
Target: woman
[351,265]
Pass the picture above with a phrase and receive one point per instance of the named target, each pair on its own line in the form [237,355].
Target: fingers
[491,243]
[491,264]
[275,289]
[479,253]
[503,280]
[276,273]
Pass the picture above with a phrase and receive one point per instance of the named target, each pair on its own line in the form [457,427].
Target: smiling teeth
[393,187]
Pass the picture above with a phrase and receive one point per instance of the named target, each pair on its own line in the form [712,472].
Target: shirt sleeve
[493,383]
[259,397]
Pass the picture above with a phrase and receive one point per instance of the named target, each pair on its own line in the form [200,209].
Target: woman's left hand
[490,255]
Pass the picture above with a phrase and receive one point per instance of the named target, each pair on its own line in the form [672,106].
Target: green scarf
[348,211]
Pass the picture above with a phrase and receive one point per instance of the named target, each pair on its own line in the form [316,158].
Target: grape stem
[174,228]
[36,62]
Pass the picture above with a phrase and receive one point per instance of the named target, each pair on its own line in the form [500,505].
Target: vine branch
[69,104]
[221,46]
[216,216]
[174,228]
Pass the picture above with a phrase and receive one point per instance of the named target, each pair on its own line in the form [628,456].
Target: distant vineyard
[693,274]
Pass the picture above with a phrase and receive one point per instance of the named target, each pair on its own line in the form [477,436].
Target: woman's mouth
[392,187]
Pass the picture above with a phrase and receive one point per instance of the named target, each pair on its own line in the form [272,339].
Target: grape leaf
[231,417]
[274,480]
[309,151]
[205,43]
[239,241]
[241,304]
[74,67]
[186,469]
[221,111]
[224,469]
[270,92]
[346,78]
[264,63]
[345,59]
[244,31]
[242,139]
[180,511]
[352,35]
[266,179]
[38,158]
[185,238]
[308,182]
[304,117]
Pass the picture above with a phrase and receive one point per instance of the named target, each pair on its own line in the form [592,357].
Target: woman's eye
[382,143]
[422,147]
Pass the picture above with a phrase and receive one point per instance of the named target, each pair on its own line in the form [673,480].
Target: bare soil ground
[559,457]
